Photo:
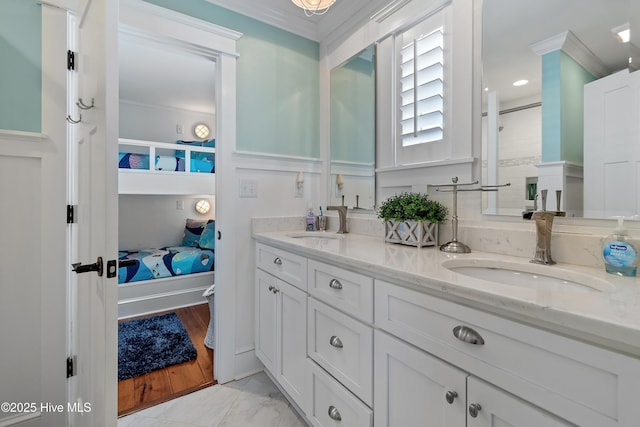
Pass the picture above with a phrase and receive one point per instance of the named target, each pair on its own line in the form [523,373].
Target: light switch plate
[248,188]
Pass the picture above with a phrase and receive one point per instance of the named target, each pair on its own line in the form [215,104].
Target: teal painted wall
[563,81]
[21,65]
[352,94]
[278,86]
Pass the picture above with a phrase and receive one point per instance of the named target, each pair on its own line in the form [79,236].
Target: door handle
[97,266]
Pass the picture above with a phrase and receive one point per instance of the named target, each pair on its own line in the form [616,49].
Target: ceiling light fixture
[520,82]
[314,7]
[622,32]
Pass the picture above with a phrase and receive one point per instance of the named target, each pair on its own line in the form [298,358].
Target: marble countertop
[607,314]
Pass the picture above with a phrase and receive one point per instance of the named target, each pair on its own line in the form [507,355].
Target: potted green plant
[412,219]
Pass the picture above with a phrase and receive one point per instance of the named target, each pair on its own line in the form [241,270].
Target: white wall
[156,221]
[275,178]
[157,123]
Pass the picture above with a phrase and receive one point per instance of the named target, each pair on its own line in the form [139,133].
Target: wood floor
[168,383]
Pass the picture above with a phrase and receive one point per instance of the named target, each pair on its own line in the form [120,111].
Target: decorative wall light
[299,184]
[300,180]
[314,7]
[339,181]
[203,206]
[201,130]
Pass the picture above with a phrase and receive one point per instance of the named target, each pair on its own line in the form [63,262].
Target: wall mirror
[352,124]
[552,132]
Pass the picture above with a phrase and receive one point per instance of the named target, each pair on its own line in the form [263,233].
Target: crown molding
[572,46]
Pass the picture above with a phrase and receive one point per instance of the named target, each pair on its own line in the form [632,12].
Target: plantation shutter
[422,86]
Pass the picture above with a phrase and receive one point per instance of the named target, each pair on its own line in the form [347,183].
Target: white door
[413,388]
[492,407]
[92,237]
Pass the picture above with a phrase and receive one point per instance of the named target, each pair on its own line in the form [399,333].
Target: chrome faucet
[342,214]
[544,222]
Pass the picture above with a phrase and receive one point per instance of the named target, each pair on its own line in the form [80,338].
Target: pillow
[207,238]
[192,231]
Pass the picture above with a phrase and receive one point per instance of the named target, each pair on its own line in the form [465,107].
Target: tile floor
[250,402]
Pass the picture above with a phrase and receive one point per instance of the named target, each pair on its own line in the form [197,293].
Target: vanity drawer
[345,290]
[330,404]
[579,382]
[343,346]
[289,267]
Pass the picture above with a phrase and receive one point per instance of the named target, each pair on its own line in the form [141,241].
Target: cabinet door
[413,388]
[292,340]
[266,326]
[490,406]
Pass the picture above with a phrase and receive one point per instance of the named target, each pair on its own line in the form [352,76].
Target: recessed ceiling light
[520,82]
[486,89]
[622,32]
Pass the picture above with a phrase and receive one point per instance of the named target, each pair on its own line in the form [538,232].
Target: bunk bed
[187,167]
[158,279]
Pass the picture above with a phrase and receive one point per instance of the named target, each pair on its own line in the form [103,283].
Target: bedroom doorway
[171,69]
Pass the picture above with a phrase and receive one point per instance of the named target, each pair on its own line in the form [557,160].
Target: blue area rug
[152,343]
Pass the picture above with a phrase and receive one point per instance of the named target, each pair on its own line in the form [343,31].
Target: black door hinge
[71,60]
[71,366]
[71,214]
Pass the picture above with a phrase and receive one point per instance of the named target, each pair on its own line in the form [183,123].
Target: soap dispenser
[310,220]
[619,254]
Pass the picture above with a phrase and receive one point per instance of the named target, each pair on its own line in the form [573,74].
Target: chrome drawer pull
[277,261]
[335,284]
[450,396]
[468,335]
[336,342]
[474,408]
[334,414]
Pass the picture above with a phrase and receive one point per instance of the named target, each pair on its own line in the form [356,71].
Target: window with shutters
[421,81]
[421,88]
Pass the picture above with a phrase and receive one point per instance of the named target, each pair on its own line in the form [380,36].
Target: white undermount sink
[528,275]
[316,235]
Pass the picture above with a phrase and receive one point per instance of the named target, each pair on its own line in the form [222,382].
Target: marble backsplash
[568,246]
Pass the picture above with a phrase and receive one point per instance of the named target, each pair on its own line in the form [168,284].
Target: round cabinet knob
[277,261]
[334,414]
[450,396]
[336,342]
[271,288]
[474,408]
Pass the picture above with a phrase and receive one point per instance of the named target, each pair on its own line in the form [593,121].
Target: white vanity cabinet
[281,326]
[354,349]
[517,373]
[413,387]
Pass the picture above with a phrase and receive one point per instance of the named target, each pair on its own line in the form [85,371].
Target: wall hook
[74,122]
[84,106]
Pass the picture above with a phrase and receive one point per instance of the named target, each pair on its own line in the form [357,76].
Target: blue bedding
[204,164]
[164,262]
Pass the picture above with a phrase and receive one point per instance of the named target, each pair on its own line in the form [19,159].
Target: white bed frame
[151,181]
[168,293]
